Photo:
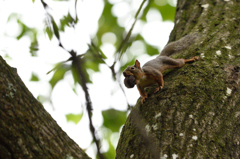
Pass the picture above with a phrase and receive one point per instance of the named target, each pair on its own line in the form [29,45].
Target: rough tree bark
[197,114]
[26,129]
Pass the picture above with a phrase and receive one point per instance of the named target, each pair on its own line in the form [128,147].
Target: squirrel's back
[179,45]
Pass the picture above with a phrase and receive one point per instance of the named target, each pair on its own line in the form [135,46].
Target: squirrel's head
[134,70]
[131,73]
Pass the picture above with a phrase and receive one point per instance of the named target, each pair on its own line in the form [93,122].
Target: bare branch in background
[82,80]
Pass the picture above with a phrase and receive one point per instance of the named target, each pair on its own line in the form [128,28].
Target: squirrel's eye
[132,68]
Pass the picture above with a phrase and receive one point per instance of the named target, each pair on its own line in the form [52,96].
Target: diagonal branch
[123,43]
[78,63]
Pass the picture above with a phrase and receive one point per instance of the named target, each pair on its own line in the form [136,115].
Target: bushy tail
[179,45]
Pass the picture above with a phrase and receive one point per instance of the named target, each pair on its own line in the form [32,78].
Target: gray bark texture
[197,113]
[26,129]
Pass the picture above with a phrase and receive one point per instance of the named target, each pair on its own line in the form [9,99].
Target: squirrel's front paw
[196,58]
[143,99]
[157,89]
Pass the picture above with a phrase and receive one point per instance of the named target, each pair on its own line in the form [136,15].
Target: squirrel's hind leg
[160,82]
[174,63]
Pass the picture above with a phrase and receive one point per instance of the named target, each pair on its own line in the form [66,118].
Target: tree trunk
[26,129]
[197,114]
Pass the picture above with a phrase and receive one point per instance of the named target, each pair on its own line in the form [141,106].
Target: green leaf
[25,29]
[49,32]
[57,66]
[30,32]
[34,48]
[74,117]
[34,77]
[96,50]
[55,28]
[58,75]
[92,65]
[33,1]
[67,21]
[74,90]
[93,58]
[113,119]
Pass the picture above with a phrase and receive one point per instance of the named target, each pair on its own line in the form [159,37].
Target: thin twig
[128,34]
[78,63]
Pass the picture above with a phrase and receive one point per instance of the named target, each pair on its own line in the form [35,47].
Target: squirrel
[151,72]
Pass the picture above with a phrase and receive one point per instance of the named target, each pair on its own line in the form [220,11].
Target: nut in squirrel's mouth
[130,81]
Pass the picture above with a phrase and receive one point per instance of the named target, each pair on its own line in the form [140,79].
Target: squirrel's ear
[137,64]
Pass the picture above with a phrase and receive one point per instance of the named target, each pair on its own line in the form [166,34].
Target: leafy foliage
[26,31]
[113,119]
[67,21]
[34,46]
[167,11]
[108,23]
[94,56]
[51,27]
